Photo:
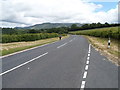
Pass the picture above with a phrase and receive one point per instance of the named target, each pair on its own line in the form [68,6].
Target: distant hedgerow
[27,37]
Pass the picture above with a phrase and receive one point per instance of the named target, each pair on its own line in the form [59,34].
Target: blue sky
[106,5]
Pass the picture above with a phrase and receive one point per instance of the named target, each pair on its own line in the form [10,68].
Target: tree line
[74,27]
[60,30]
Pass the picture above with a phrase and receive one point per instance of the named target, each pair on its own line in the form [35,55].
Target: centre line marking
[88,55]
[86,67]
[85,74]
[70,40]
[83,84]
[87,62]
[62,45]
[23,64]
[88,58]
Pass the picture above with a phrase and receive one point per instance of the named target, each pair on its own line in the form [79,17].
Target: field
[111,32]
[8,48]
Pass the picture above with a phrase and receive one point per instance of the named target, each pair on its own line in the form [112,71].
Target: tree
[74,27]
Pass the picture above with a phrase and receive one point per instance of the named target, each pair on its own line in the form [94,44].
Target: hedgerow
[27,37]
[112,32]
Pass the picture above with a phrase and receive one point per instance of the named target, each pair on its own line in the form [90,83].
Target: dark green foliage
[27,37]
[112,32]
[91,26]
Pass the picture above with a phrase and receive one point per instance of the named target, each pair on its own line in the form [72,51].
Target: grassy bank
[112,32]
[99,39]
[101,45]
[8,48]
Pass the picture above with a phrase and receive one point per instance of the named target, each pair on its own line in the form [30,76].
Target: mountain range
[49,25]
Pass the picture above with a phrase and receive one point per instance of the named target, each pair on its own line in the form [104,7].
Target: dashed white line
[88,58]
[86,67]
[89,52]
[23,64]
[70,40]
[83,84]
[85,74]
[62,45]
[27,50]
[88,55]
[87,62]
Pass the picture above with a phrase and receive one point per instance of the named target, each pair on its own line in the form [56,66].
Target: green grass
[112,32]
[5,52]
[101,44]
[16,49]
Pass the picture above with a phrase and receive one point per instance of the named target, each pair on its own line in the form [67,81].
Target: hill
[50,25]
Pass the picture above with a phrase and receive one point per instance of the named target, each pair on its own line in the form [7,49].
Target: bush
[27,37]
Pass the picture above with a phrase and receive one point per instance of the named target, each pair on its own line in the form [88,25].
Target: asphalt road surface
[68,63]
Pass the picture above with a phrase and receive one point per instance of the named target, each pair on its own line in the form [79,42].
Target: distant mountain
[50,25]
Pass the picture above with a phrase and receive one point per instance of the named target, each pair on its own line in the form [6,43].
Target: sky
[21,13]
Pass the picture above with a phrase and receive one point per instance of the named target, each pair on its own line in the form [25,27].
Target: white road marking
[88,58]
[87,62]
[83,84]
[89,52]
[85,74]
[86,67]
[62,45]
[26,50]
[88,55]
[23,64]
[104,59]
[70,40]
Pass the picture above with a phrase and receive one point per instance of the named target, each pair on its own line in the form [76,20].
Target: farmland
[111,32]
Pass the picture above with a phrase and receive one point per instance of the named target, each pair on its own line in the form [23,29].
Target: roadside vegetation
[101,44]
[8,48]
[27,37]
[17,39]
[99,39]
[111,32]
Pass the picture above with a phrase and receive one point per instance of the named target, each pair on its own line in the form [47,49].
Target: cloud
[29,12]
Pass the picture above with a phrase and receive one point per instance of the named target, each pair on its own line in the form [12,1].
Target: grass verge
[9,48]
[100,44]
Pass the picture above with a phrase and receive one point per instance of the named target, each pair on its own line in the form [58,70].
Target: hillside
[50,25]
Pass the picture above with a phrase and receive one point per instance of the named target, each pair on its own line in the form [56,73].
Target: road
[68,63]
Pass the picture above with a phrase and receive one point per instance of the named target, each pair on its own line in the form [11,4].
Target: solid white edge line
[85,74]
[62,45]
[86,67]
[23,64]
[83,84]
[26,50]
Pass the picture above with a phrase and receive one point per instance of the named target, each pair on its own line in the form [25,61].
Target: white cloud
[29,12]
